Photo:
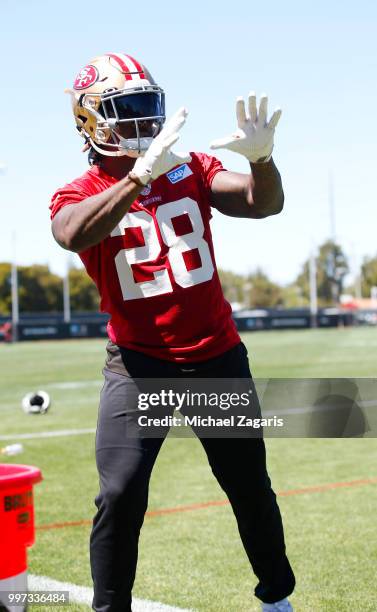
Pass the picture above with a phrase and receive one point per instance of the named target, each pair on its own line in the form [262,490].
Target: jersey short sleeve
[209,167]
[69,194]
[62,198]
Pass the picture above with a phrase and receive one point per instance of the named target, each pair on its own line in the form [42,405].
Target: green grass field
[194,559]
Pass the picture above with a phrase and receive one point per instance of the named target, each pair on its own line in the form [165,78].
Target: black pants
[125,465]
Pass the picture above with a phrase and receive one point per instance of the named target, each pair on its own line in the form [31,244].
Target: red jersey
[156,272]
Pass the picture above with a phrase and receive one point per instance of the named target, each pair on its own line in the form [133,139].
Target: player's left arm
[259,194]
[254,196]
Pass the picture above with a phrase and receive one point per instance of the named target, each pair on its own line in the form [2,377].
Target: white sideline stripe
[79,384]
[49,434]
[84,595]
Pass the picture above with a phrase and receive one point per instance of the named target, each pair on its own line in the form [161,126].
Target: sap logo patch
[178,174]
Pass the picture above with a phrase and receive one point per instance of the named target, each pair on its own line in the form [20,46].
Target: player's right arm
[77,227]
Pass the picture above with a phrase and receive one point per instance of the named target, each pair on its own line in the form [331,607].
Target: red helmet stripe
[138,66]
[126,69]
[122,65]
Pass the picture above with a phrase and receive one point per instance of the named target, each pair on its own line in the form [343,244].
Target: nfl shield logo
[146,191]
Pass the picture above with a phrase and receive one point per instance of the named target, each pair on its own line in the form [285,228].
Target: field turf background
[194,559]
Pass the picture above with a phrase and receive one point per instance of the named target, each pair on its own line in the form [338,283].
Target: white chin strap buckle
[133,147]
[136,145]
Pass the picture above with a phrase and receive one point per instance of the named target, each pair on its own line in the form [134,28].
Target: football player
[139,219]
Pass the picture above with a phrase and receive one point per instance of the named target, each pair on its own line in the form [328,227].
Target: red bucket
[16,516]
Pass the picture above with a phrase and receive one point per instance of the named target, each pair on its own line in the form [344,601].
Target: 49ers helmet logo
[86,77]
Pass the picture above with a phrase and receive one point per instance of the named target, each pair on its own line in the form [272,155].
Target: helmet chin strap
[119,153]
[107,153]
[127,146]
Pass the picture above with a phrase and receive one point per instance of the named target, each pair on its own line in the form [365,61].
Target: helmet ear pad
[88,114]
[85,122]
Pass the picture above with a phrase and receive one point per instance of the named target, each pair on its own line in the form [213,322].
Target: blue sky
[317,60]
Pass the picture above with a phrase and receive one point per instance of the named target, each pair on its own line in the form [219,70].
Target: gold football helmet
[117,105]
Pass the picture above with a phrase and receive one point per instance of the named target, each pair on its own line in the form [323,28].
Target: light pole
[246,294]
[13,280]
[332,207]
[313,289]
[14,292]
[66,296]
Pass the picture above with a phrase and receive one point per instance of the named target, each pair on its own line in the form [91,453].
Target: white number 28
[178,245]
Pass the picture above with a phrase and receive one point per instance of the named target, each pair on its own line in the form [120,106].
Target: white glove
[254,137]
[158,158]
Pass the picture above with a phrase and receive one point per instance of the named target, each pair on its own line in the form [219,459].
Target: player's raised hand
[254,137]
[159,158]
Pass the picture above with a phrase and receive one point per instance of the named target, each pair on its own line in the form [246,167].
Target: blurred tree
[261,292]
[83,292]
[368,275]
[232,285]
[332,267]
[5,289]
[39,290]
[293,297]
